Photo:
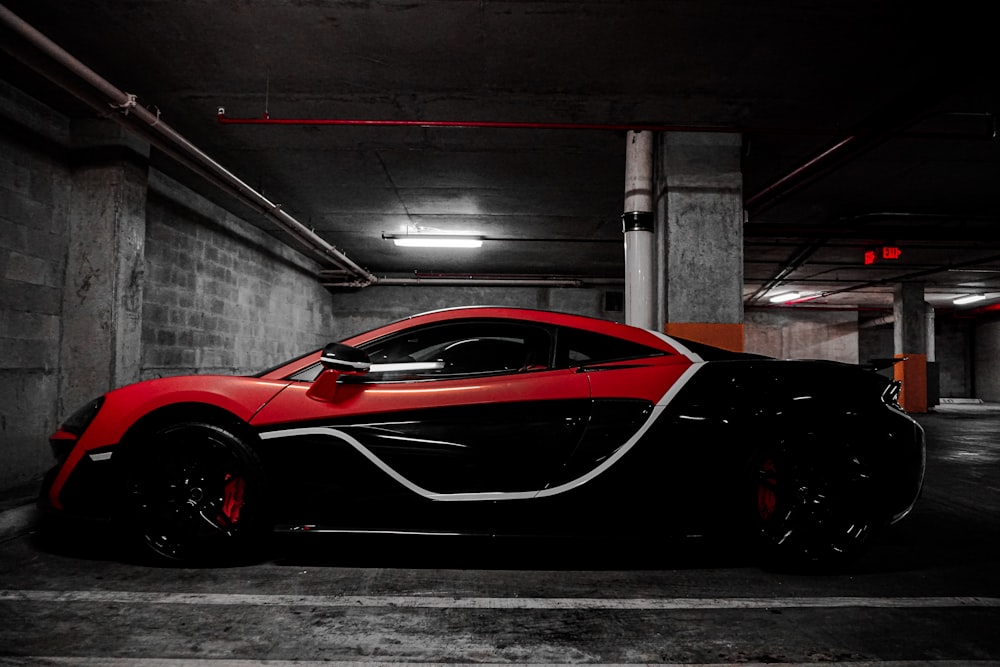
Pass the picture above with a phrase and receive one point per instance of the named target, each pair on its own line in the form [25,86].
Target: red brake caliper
[766,497]
[232,498]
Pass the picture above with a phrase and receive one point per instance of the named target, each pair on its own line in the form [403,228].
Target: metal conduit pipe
[177,143]
[637,227]
[477,282]
[486,279]
[878,321]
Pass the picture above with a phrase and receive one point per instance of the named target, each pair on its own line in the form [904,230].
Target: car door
[451,418]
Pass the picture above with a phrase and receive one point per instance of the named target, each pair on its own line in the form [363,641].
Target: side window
[458,349]
[577,348]
[308,374]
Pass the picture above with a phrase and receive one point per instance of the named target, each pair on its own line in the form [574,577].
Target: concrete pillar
[910,343]
[102,302]
[699,211]
[933,371]
[637,226]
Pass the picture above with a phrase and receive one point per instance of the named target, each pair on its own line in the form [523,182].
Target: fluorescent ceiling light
[785,296]
[436,241]
[969,298]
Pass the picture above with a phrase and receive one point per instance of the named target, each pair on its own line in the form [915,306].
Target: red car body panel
[241,396]
[647,380]
[293,405]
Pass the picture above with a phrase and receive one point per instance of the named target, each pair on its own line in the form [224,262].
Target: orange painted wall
[726,336]
[912,372]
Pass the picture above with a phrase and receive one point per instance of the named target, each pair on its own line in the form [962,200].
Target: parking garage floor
[927,594]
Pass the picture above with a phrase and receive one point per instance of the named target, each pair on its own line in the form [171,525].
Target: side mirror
[345,359]
[337,360]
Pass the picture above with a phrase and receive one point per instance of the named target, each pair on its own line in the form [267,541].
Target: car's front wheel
[194,493]
[813,504]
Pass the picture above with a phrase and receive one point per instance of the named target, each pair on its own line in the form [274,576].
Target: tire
[194,494]
[814,505]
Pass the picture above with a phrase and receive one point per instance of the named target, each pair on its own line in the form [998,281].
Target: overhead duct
[101,95]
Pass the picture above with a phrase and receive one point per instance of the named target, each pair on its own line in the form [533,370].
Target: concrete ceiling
[903,90]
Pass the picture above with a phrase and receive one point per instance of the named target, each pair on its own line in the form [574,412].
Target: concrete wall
[875,342]
[361,310]
[987,361]
[801,334]
[222,296]
[34,207]
[967,351]
[966,355]
[953,350]
[217,294]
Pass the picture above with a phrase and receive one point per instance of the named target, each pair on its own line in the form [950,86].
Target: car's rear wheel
[194,493]
[814,504]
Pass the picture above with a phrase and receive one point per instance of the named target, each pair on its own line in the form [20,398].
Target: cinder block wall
[361,310]
[34,202]
[222,296]
[219,295]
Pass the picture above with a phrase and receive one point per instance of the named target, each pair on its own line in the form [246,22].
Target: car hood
[238,395]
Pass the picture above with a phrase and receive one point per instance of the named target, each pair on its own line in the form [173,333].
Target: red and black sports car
[498,421]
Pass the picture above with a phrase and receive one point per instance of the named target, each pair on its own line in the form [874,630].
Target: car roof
[547,317]
[531,315]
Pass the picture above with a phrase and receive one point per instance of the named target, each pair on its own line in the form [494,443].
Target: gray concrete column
[699,211]
[910,343]
[910,319]
[102,299]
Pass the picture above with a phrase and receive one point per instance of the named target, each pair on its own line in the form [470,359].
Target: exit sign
[886,252]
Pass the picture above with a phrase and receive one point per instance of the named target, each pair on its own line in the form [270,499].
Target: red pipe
[606,127]
[510,125]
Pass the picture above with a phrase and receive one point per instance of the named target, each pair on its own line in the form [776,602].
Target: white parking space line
[59,661]
[499,603]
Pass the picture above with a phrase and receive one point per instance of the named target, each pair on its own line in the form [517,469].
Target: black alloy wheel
[815,505]
[194,494]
